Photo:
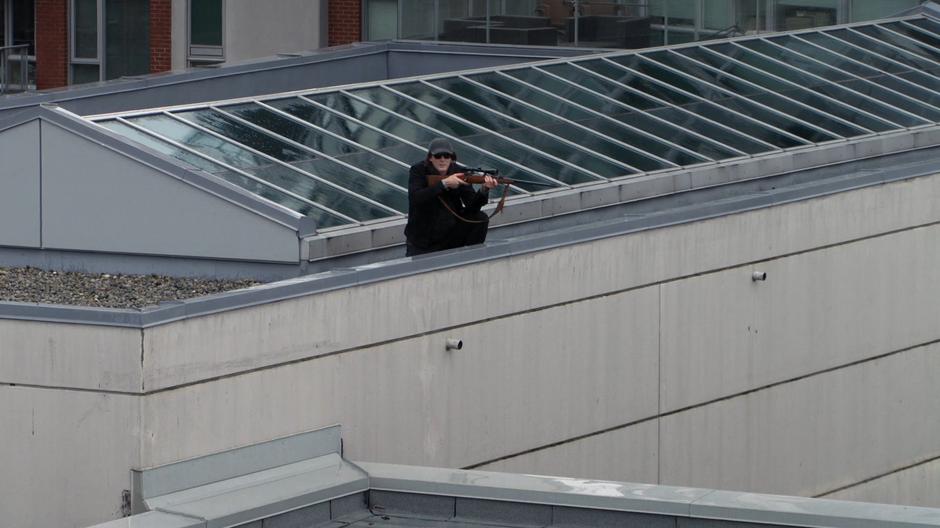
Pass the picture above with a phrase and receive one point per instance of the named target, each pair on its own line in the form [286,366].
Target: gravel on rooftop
[105,290]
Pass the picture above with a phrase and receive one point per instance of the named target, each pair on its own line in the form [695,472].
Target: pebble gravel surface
[33,285]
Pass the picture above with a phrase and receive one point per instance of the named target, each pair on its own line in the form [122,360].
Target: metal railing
[9,57]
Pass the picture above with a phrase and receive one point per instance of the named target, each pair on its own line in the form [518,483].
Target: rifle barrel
[529,182]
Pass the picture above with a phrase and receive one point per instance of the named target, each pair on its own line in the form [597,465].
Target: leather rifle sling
[499,207]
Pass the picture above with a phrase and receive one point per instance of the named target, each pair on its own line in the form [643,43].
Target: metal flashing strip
[672,501]
[170,478]
[822,181]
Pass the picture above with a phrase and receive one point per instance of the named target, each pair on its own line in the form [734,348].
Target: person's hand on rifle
[454,180]
[489,182]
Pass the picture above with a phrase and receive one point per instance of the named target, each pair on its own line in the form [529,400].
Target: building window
[110,39]
[18,41]
[206,43]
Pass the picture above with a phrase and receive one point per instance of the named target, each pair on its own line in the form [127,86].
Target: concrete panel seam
[661,415]
[876,477]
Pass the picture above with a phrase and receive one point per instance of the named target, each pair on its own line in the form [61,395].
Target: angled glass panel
[471,157]
[321,142]
[714,112]
[835,60]
[815,85]
[874,58]
[910,60]
[588,120]
[232,154]
[348,129]
[484,139]
[594,122]
[914,46]
[929,39]
[307,161]
[751,95]
[526,135]
[806,97]
[641,120]
[927,25]
[322,218]
[849,81]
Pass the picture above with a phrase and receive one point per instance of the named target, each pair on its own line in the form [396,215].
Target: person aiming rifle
[443,207]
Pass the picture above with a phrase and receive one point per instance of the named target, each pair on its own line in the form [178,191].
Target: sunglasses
[442,155]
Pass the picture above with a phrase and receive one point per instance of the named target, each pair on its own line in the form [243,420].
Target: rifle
[477,176]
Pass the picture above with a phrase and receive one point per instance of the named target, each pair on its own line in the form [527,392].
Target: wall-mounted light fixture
[453,344]
[759,276]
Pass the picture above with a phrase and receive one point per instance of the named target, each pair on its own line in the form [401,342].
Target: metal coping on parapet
[340,155]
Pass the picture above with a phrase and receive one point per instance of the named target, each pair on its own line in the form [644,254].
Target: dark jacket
[429,222]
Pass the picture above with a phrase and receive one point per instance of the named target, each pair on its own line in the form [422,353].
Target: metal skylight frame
[606,117]
[909,60]
[856,76]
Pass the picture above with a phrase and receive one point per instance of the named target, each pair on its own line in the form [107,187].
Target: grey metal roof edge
[176,169]
[699,503]
[189,473]
[20,117]
[130,84]
[534,489]
[929,7]
[479,48]
[340,278]
[809,512]
[154,519]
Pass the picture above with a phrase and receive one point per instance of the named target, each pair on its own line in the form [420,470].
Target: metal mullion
[888,44]
[915,41]
[782,96]
[727,92]
[878,102]
[638,130]
[360,122]
[918,29]
[232,168]
[730,94]
[794,83]
[708,102]
[284,164]
[630,108]
[880,56]
[625,125]
[634,109]
[863,79]
[526,125]
[322,130]
[306,148]
[578,125]
[420,125]
[728,58]
[863,65]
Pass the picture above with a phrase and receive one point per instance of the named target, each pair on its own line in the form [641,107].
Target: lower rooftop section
[302,481]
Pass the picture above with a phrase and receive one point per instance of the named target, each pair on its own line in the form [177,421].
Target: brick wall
[345,21]
[160,23]
[52,43]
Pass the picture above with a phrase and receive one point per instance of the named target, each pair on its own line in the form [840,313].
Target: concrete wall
[254,29]
[659,339]
[647,357]
[258,29]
